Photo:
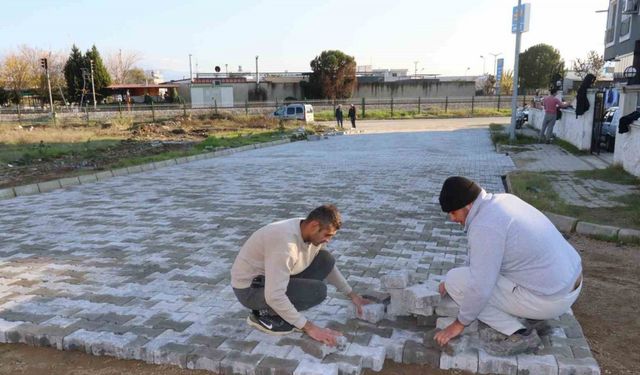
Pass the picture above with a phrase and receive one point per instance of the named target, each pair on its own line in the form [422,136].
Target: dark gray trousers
[305,290]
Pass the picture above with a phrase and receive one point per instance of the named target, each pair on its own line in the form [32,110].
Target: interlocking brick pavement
[138,266]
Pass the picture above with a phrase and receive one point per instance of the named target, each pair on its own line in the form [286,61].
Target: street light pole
[514,97]
[495,58]
[257,75]
[190,70]
[484,60]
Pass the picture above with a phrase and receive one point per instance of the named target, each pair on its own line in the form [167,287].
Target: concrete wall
[627,149]
[425,88]
[576,131]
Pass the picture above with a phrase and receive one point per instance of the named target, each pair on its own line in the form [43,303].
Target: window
[611,22]
[299,110]
[625,27]
[291,111]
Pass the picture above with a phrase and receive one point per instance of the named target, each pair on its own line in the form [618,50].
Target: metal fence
[163,112]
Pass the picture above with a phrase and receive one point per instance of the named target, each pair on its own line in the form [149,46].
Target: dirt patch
[607,310]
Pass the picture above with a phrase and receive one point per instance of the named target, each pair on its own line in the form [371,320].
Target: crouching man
[520,266]
[281,269]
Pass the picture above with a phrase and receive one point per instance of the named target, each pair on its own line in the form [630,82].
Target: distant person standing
[339,116]
[551,105]
[352,115]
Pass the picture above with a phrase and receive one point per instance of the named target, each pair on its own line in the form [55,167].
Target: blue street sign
[499,69]
[520,20]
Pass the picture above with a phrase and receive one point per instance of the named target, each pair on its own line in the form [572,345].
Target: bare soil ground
[607,310]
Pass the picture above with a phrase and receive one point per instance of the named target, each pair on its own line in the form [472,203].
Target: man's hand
[453,330]
[358,301]
[324,335]
[442,289]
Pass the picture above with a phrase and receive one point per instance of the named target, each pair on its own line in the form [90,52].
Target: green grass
[25,154]
[613,174]
[238,140]
[499,136]
[569,147]
[536,189]
[137,160]
[427,113]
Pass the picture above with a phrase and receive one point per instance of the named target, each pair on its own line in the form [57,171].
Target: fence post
[473,102]
[392,106]
[498,102]
[184,109]
[418,104]
[446,104]
[246,108]
[363,114]
[215,106]
[19,115]
[86,112]
[120,108]
[153,112]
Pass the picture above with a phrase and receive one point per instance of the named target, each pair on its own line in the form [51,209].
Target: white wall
[576,131]
[627,149]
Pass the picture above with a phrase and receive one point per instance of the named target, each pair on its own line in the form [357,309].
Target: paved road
[138,266]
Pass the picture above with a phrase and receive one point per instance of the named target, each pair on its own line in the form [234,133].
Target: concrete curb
[47,186]
[567,224]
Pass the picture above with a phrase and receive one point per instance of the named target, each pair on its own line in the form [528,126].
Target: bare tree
[120,65]
[593,63]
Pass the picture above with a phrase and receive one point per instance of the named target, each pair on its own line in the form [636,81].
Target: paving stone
[467,360]
[49,186]
[624,235]
[421,298]
[372,356]
[445,322]
[582,366]
[534,364]
[397,306]
[347,365]
[416,353]
[372,313]
[99,176]
[7,193]
[488,364]
[276,366]
[447,307]
[203,358]
[314,368]
[26,190]
[240,363]
[395,280]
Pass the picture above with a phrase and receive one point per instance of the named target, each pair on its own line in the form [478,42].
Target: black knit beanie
[458,192]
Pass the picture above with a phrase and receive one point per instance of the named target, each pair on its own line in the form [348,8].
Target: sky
[444,37]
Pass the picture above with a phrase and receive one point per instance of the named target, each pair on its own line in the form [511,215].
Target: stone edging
[568,224]
[46,186]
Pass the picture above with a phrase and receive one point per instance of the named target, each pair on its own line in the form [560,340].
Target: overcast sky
[445,37]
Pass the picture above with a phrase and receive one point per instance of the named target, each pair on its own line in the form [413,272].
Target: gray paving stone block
[135,169]
[308,346]
[535,364]
[564,224]
[203,358]
[148,166]
[49,185]
[447,307]
[26,190]
[421,298]
[624,235]
[596,229]
[173,353]
[272,350]
[582,366]
[240,363]
[372,356]
[306,367]
[372,313]
[397,306]
[7,327]
[488,364]
[445,322]
[7,193]
[416,353]
[70,181]
[276,366]
[239,345]
[347,365]
[393,347]
[395,280]
[120,172]
[467,360]
[208,341]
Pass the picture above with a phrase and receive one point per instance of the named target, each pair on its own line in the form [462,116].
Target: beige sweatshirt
[277,251]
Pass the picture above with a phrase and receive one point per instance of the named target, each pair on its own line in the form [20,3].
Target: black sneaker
[517,343]
[272,324]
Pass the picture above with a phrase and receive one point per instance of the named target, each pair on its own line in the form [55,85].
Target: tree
[136,75]
[19,72]
[506,83]
[121,65]
[538,65]
[101,77]
[73,74]
[333,76]
[593,63]
[489,85]
[5,96]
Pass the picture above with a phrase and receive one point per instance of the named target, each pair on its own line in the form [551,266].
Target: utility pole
[93,86]
[190,70]
[45,64]
[514,97]
[484,65]
[257,75]
[415,69]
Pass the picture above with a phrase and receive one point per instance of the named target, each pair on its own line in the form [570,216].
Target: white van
[295,111]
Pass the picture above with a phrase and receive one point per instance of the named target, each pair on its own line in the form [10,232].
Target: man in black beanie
[519,266]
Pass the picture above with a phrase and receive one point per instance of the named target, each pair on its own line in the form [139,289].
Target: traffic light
[43,63]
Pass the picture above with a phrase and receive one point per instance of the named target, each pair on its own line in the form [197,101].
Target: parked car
[610,122]
[295,111]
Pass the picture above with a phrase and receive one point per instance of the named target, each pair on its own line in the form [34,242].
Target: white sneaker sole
[268,331]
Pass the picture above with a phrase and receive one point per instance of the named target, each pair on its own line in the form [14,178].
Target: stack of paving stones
[137,266]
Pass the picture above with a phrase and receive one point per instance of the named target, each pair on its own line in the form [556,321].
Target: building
[622,32]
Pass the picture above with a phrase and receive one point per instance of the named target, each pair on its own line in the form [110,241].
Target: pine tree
[73,74]
[101,77]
